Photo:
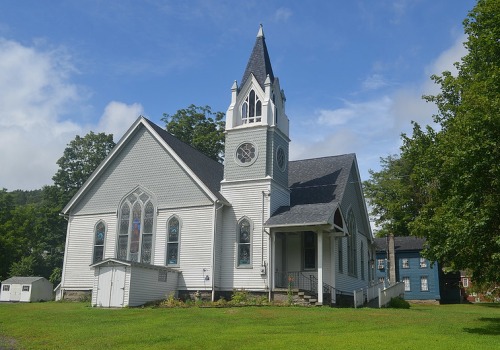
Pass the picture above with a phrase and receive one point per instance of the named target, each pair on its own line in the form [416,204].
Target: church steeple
[259,63]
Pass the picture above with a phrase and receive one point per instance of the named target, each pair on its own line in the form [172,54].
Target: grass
[56,325]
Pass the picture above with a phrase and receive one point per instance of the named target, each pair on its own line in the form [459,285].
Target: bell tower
[257,131]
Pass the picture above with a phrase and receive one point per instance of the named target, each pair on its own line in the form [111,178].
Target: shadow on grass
[491,326]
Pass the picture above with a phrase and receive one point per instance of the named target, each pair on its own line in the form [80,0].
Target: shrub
[398,303]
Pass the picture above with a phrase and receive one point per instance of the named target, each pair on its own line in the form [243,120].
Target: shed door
[111,286]
[15,292]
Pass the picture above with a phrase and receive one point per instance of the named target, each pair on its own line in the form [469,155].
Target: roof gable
[206,172]
[317,188]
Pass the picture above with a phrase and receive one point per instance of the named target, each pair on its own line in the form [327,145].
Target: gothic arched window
[173,235]
[99,239]
[251,109]
[136,223]
[244,243]
[352,266]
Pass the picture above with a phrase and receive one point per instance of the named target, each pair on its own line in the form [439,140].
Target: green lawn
[77,326]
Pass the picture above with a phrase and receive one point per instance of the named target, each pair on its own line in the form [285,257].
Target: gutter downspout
[212,268]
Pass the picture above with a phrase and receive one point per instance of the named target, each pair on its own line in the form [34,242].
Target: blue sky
[353,71]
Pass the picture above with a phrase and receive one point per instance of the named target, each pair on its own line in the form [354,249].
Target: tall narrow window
[309,250]
[244,243]
[406,281]
[136,227]
[424,284]
[251,109]
[99,238]
[341,254]
[352,264]
[173,241]
[362,263]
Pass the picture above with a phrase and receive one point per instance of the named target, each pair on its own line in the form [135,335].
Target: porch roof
[317,188]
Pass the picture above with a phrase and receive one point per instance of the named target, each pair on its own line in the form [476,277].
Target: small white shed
[27,289]
[119,283]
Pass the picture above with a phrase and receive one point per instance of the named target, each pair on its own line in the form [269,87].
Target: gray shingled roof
[259,63]
[317,186]
[401,243]
[209,171]
[21,280]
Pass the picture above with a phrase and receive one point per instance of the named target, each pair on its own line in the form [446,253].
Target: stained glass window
[99,238]
[136,228]
[244,243]
[173,241]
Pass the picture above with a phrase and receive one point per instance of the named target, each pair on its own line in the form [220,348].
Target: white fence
[359,297]
[385,295]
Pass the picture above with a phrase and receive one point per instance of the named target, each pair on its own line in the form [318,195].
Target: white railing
[359,297]
[385,295]
[372,292]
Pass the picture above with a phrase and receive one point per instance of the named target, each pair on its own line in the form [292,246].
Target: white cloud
[282,14]
[118,117]
[374,82]
[372,128]
[36,101]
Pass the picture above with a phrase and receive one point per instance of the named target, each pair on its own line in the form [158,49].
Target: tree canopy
[32,233]
[199,127]
[445,184]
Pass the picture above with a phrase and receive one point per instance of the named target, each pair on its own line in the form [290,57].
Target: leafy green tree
[80,159]
[199,127]
[461,218]
[454,173]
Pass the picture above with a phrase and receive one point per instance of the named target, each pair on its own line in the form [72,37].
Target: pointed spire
[259,63]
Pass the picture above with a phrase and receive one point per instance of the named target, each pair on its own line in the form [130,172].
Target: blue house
[421,278]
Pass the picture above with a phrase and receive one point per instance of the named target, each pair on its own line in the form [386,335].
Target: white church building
[159,217]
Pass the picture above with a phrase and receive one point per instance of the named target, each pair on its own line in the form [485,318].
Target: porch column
[320,267]
[333,259]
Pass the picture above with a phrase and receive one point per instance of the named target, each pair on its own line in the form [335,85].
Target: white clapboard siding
[142,161]
[77,273]
[246,202]
[195,246]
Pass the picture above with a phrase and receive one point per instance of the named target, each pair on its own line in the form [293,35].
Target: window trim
[426,278]
[407,285]
[26,288]
[423,263]
[103,242]
[237,241]
[6,288]
[178,242]
[314,249]
[138,192]
[405,263]
[352,254]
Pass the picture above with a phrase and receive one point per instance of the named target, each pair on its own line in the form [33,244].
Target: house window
[26,288]
[405,263]
[99,238]
[406,281]
[244,243]
[424,284]
[465,282]
[380,264]
[423,263]
[362,261]
[251,109]
[352,265]
[341,255]
[381,279]
[136,224]
[309,250]
[6,287]
[173,229]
